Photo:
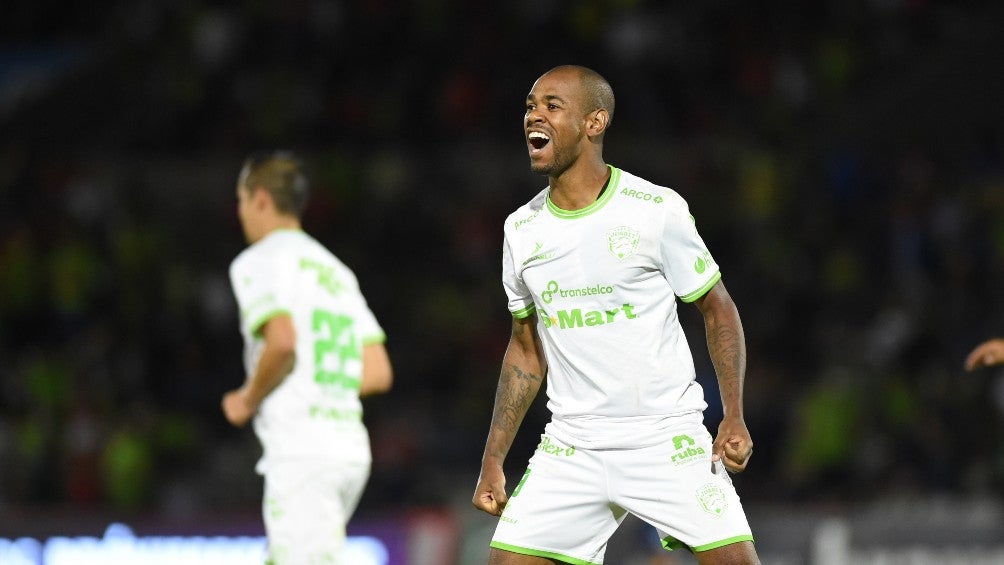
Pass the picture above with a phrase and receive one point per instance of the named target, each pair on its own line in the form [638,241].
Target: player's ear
[596,122]
[260,197]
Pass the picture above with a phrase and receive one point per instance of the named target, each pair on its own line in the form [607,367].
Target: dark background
[844,161]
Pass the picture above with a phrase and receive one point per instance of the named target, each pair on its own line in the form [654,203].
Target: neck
[579,185]
[279,223]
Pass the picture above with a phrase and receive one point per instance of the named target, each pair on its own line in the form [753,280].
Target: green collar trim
[615,177]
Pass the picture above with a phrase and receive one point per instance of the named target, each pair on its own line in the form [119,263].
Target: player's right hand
[490,494]
[236,408]
[733,445]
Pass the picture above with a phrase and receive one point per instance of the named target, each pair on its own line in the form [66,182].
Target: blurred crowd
[844,162]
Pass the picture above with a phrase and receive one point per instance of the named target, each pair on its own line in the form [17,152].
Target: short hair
[281,174]
[599,93]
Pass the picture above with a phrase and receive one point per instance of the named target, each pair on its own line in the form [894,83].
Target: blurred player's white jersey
[603,281]
[315,412]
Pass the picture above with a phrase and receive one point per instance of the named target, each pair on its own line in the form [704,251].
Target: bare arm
[523,369]
[276,361]
[988,353]
[378,375]
[727,347]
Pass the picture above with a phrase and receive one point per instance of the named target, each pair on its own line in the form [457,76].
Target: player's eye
[552,106]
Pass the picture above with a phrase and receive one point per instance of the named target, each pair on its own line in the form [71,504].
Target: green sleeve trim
[703,290]
[520,314]
[722,543]
[375,338]
[256,326]
[539,553]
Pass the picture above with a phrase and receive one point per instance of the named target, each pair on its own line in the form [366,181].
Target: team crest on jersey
[623,242]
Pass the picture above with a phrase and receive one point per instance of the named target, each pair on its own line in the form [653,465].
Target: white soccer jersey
[603,281]
[315,411]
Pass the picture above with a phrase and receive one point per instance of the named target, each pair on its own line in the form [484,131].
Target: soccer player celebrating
[592,267]
[312,348]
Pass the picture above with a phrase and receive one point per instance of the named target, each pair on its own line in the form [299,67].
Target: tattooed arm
[523,369]
[727,347]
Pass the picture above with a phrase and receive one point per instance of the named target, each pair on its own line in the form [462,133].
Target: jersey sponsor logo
[538,256]
[579,318]
[622,241]
[702,263]
[326,278]
[712,499]
[553,288]
[686,450]
[549,447]
[520,223]
[646,196]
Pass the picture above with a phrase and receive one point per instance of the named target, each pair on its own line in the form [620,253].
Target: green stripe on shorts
[722,543]
[539,553]
[669,543]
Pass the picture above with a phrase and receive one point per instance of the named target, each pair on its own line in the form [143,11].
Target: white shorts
[570,501]
[306,507]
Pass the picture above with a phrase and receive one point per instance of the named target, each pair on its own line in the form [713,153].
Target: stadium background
[844,161]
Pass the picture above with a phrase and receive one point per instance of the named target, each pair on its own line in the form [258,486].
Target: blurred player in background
[990,352]
[592,267]
[312,349]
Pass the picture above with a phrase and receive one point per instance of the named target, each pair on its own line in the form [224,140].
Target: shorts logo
[551,448]
[623,242]
[712,499]
[686,451]
[274,508]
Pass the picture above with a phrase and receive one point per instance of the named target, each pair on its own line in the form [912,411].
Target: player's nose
[533,116]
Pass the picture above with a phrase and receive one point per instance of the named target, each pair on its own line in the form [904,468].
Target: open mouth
[537,140]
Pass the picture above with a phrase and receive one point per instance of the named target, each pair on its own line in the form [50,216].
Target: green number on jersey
[335,338]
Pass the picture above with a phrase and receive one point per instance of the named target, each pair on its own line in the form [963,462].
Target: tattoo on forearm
[516,391]
[727,347]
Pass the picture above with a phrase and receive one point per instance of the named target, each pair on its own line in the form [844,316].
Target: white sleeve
[367,327]
[686,261]
[260,290]
[520,300]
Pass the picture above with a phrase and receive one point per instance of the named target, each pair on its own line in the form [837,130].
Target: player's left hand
[236,408]
[990,352]
[733,445]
